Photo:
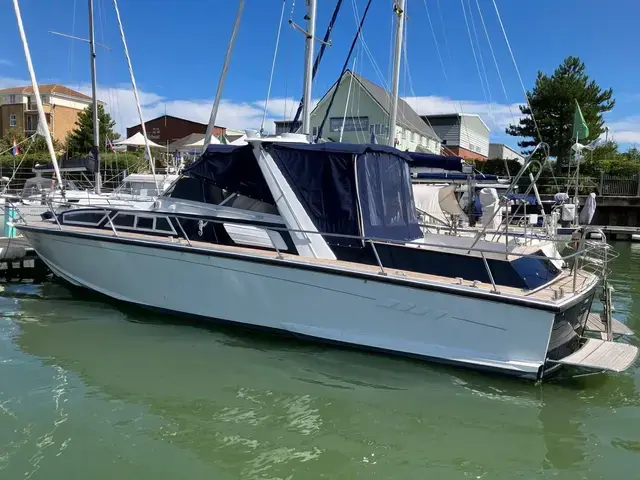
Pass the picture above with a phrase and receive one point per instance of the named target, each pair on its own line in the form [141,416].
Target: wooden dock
[22,268]
[613,232]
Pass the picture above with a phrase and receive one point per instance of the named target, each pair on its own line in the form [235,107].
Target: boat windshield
[39,185]
[137,189]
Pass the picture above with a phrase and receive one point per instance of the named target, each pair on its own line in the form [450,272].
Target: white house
[462,134]
[504,152]
[360,112]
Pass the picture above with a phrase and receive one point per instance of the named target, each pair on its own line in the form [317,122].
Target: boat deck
[554,291]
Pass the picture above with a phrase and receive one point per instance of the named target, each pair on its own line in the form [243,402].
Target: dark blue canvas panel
[530,199]
[233,168]
[386,197]
[323,179]
[431,160]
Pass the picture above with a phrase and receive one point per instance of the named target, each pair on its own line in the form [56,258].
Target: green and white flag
[580,128]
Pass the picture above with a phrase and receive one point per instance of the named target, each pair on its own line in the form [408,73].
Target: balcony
[32,107]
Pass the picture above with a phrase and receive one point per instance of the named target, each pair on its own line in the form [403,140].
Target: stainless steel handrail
[527,164]
[365,239]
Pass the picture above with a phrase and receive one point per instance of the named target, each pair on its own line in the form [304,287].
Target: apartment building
[62,106]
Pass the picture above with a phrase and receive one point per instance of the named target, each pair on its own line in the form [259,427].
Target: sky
[177,49]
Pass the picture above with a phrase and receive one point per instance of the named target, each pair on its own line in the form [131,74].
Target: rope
[15,169]
[71,41]
[484,70]
[435,40]
[346,105]
[135,94]
[513,59]
[273,66]
[524,90]
[17,144]
[344,67]
[473,50]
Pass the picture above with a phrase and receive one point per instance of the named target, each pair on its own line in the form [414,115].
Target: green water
[88,391]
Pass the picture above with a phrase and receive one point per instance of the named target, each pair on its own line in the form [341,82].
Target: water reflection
[222,403]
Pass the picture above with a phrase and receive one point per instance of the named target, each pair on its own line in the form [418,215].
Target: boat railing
[575,256]
[529,162]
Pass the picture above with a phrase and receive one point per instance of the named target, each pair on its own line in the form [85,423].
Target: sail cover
[361,190]
[233,168]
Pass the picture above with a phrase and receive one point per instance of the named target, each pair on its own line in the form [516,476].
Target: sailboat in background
[41,194]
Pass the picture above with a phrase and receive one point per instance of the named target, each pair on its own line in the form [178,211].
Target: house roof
[50,89]
[176,118]
[407,116]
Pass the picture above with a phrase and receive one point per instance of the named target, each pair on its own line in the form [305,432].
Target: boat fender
[575,237]
[201,225]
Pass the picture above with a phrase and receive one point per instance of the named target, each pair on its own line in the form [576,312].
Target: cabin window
[130,221]
[12,120]
[163,225]
[145,223]
[92,218]
[123,220]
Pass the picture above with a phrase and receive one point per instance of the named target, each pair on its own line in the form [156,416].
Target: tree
[80,140]
[553,103]
[36,145]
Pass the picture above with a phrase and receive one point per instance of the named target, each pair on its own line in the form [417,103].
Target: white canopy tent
[242,140]
[200,143]
[136,140]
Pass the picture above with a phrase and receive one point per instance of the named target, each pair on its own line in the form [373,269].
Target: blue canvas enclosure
[351,189]
[233,168]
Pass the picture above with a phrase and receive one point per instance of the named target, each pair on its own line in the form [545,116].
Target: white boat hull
[335,307]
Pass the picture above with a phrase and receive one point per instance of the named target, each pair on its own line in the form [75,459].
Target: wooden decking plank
[603,355]
[595,324]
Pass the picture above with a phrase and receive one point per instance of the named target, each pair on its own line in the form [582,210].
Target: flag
[15,151]
[580,128]
[108,144]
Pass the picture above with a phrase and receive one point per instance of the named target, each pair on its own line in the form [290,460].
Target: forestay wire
[135,94]
[273,66]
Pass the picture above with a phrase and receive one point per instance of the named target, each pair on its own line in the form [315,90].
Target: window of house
[12,99]
[12,120]
[315,131]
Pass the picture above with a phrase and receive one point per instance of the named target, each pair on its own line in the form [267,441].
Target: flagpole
[577,199]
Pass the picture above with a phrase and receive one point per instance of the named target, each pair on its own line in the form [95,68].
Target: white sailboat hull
[333,307]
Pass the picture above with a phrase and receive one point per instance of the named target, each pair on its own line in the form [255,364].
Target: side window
[145,223]
[123,220]
[91,218]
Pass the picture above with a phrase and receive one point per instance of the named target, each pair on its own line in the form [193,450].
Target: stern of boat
[585,339]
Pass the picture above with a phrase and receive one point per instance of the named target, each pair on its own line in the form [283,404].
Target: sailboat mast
[398,10]
[96,127]
[308,66]
[223,76]
[42,119]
